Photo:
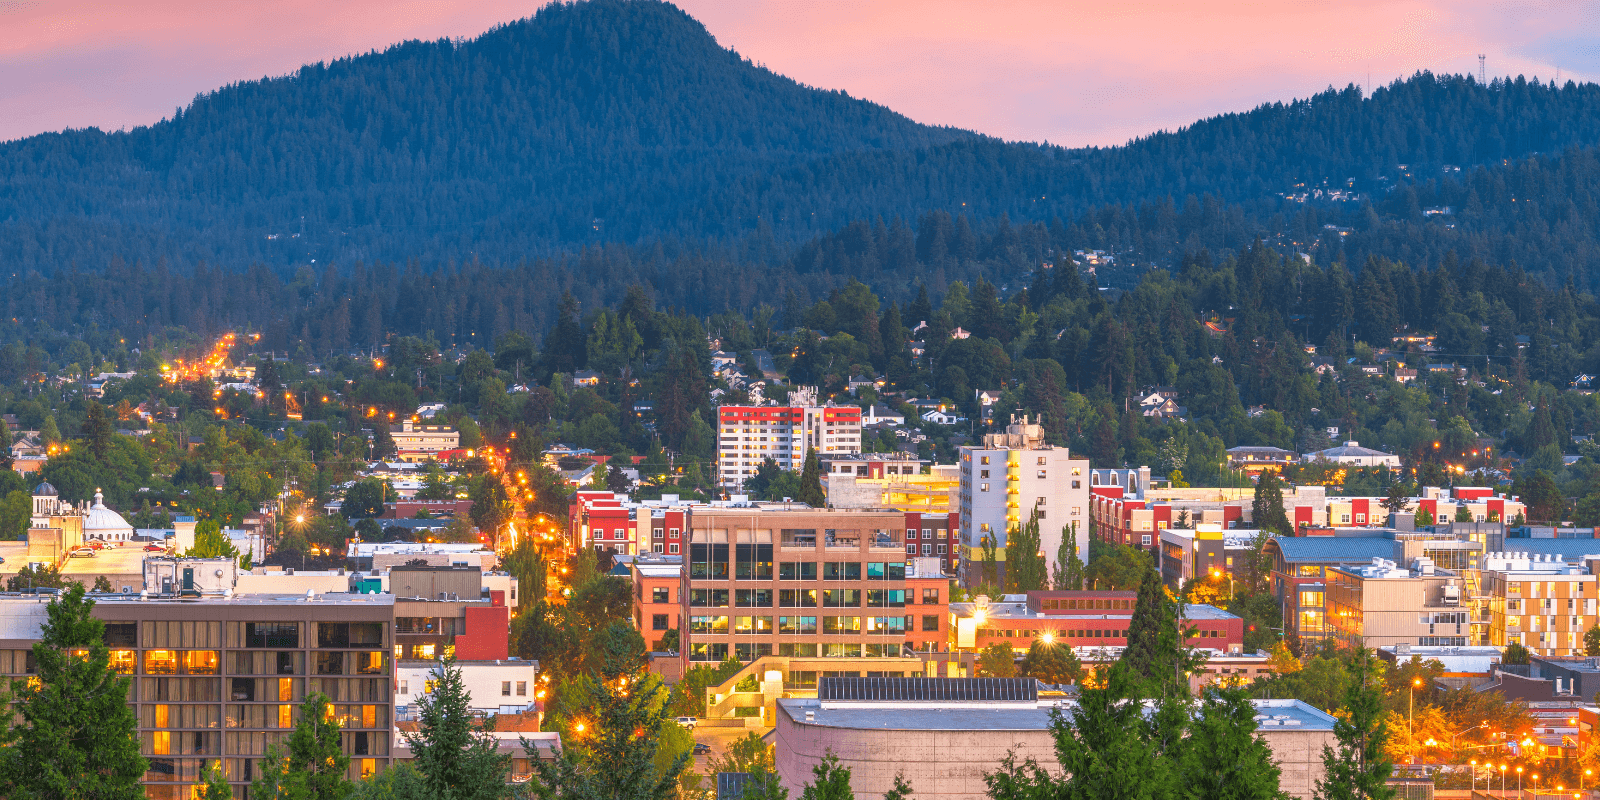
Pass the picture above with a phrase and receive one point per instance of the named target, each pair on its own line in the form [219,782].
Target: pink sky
[1072,73]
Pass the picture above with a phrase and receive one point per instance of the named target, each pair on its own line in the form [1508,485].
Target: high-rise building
[746,435]
[1004,482]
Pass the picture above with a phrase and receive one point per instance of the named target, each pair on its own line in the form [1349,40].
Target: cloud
[1075,73]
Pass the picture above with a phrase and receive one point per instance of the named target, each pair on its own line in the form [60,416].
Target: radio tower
[1480,70]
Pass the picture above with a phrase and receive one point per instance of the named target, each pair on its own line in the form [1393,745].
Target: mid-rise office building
[1006,481]
[223,678]
[747,435]
[806,583]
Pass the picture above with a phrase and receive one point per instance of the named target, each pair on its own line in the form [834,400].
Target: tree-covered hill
[623,121]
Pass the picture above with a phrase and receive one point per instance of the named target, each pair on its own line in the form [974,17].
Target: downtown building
[747,435]
[799,583]
[219,674]
[1006,481]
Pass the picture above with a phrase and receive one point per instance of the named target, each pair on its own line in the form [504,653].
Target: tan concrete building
[1383,604]
[943,735]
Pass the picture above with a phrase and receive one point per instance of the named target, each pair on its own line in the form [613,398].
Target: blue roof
[1342,549]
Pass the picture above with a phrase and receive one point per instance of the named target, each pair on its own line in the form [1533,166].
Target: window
[983,473]
[941,549]
[272,634]
[672,549]
[522,688]
[797,598]
[658,622]
[841,598]
[927,549]
[797,625]
[911,533]
[841,625]
[983,459]
[841,571]
[927,533]
[930,597]
[708,597]
[797,571]
[505,688]
[1041,475]
[1145,540]
[754,598]
[930,623]
[661,594]
[983,487]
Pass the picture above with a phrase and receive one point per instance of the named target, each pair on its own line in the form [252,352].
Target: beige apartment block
[1383,604]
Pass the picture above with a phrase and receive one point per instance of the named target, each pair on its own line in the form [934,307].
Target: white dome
[104,521]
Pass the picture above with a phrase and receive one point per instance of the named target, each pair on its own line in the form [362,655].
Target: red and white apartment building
[746,435]
[609,521]
[1119,515]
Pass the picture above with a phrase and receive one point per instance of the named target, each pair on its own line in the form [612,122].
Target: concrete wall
[937,764]
[950,764]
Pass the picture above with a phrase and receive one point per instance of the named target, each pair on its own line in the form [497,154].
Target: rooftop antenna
[1480,70]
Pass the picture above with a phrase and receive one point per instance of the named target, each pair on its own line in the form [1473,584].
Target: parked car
[701,749]
[83,552]
[687,722]
[153,548]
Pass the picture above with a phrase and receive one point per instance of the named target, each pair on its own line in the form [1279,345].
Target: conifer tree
[455,761]
[1225,759]
[811,482]
[1153,614]
[314,765]
[1267,507]
[829,782]
[901,789]
[1358,769]
[74,734]
[615,756]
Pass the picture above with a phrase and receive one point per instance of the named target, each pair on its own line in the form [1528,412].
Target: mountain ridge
[623,121]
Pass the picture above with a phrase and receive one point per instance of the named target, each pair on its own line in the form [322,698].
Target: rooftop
[917,715]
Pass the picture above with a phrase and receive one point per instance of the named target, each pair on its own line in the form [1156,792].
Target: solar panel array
[929,689]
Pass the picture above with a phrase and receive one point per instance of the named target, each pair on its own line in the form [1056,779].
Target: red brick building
[1085,620]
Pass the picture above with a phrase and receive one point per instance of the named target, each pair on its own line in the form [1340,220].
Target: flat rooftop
[975,716]
[321,599]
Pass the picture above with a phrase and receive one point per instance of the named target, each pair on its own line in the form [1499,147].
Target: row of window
[877,626]
[798,598]
[745,651]
[662,595]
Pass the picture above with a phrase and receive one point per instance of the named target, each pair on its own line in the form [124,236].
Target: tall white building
[748,434]
[1004,481]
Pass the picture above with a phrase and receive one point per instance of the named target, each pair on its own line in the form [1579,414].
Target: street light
[1474,763]
[1519,780]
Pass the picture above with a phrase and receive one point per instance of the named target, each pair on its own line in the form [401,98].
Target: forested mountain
[623,121]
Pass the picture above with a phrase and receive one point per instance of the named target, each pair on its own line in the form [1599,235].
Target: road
[718,739]
[764,362]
